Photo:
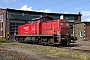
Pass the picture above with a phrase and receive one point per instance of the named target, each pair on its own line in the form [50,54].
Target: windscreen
[64,27]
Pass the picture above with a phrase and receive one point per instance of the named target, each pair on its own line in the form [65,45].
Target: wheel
[16,38]
[64,43]
[68,42]
[51,41]
[39,41]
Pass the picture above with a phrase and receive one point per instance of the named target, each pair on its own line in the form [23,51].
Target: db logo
[26,28]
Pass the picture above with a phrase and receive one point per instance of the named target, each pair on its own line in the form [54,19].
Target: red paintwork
[45,27]
[50,27]
[35,28]
[53,27]
[29,28]
[24,29]
[64,27]
[19,28]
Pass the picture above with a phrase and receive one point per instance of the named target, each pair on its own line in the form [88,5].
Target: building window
[1,17]
[69,18]
[81,35]
[0,32]
[1,24]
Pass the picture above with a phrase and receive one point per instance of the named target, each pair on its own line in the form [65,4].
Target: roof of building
[8,9]
[82,22]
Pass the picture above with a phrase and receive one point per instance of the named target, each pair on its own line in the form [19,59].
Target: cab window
[42,19]
[67,24]
[61,24]
[33,22]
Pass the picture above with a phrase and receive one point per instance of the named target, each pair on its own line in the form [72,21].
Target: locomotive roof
[43,17]
[47,17]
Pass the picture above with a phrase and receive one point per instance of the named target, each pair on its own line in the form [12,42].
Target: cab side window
[61,24]
[42,19]
[32,22]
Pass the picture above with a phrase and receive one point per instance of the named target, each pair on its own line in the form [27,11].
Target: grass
[54,51]
[4,40]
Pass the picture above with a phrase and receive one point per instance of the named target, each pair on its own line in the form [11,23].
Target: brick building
[82,30]
[10,19]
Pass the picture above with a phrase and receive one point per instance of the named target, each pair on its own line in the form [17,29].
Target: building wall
[11,20]
[77,18]
[79,31]
[14,27]
[14,15]
[2,22]
[85,28]
[88,30]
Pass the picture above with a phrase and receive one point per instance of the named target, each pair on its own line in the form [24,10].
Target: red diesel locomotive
[46,31]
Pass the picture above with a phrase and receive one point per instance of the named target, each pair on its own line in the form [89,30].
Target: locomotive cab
[64,27]
[46,18]
[64,31]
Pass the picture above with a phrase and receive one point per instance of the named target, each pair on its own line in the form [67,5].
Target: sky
[51,6]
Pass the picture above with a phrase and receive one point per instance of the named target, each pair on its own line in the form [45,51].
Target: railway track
[77,47]
[74,47]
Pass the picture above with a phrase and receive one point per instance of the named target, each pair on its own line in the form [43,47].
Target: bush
[4,40]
